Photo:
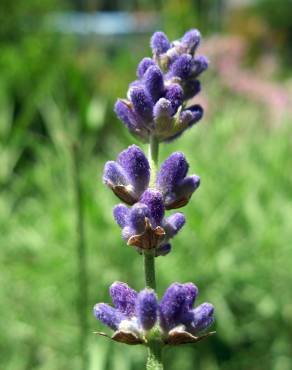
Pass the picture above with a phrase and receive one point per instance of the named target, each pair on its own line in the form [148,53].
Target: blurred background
[62,66]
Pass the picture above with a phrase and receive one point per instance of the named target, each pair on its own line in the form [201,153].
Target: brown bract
[177,337]
[126,337]
[178,204]
[174,338]
[149,239]
[123,193]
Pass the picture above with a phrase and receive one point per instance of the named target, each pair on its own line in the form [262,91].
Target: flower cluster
[138,317]
[144,225]
[156,103]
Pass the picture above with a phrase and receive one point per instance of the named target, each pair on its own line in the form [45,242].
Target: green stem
[149,258]
[153,158]
[149,270]
[81,257]
[154,360]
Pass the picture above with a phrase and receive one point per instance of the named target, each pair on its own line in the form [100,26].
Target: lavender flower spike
[175,186]
[129,176]
[173,319]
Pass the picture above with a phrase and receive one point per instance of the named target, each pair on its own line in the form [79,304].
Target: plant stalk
[149,258]
[81,258]
[154,359]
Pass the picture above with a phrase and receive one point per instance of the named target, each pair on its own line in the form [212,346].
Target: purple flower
[159,43]
[141,102]
[129,175]
[135,314]
[182,67]
[124,298]
[108,315]
[144,226]
[153,81]
[143,66]
[191,40]
[176,310]
[174,93]
[146,308]
[173,182]
[165,82]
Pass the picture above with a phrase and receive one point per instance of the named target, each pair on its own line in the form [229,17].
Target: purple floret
[159,43]
[129,176]
[173,224]
[108,315]
[174,93]
[141,102]
[171,306]
[200,64]
[146,308]
[121,213]
[191,39]
[153,81]
[182,67]
[124,298]
[154,201]
[172,181]
[143,66]
[136,166]
[203,317]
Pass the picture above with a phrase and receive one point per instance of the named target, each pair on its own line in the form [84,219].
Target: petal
[136,219]
[136,167]
[141,102]
[171,172]
[173,224]
[174,93]
[123,298]
[162,110]
[188,186]
[192,88]
[191,40]
[159,43]
[121,212]
[113,174]
[163,119]
[153,80]
[163,250]
[143,66]
[146,308]
[182,66]
[108,315]
[125,114]
[203,317]
[200,64]
[197,114]
[191,292]
[154,201]
[187,119]
[171,305]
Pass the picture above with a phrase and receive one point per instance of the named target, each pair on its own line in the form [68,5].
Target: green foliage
[235,245]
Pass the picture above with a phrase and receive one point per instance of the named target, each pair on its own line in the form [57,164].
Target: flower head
[129,177]
[135,315]
[156,103]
